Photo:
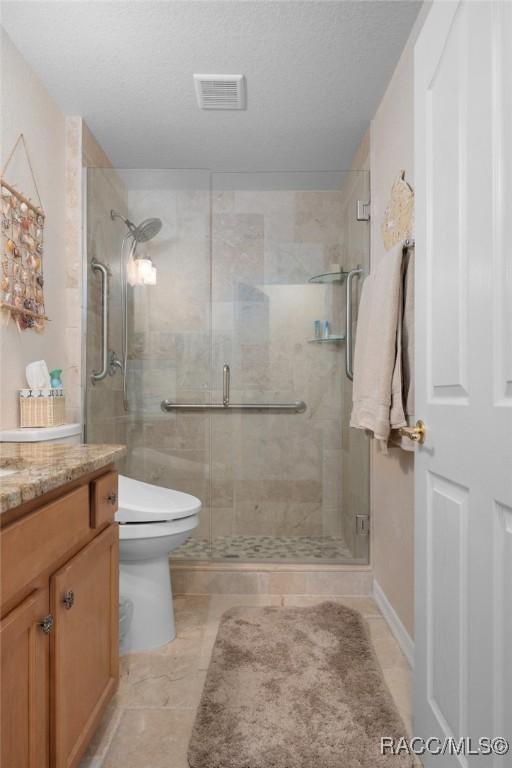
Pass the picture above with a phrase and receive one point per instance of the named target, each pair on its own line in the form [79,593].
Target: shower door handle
[97,266]
[226,375]
[348,333]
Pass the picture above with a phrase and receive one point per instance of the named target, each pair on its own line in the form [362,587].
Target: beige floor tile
[162,681]
[91,762]
[100,742]
[151,738]
[190,613]
[386,647]
[399,682]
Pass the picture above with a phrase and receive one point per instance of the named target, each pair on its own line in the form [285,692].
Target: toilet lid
[144,503]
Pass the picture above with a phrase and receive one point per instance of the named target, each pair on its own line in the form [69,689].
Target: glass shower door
[280,490]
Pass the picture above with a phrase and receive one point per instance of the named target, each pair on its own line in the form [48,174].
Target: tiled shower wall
[232,287]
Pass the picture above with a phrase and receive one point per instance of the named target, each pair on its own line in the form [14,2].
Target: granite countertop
[40,468]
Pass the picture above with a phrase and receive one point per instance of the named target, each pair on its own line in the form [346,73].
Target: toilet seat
[133,531]
[145,506]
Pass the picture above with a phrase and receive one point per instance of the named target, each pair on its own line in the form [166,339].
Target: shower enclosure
[245,265]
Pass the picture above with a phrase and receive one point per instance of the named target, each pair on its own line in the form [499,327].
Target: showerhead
[146,230]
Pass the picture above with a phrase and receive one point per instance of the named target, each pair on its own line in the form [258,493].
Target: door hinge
[362,525]
[363,210]
[46,624]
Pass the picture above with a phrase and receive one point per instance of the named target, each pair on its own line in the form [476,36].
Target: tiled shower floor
[265,548]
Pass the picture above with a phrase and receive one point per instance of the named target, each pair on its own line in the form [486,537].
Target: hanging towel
[407,350]
[378,386]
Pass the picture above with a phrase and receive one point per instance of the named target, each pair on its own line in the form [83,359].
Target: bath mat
[294,688]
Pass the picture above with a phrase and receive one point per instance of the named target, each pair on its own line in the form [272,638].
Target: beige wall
[392,150]
[27,108]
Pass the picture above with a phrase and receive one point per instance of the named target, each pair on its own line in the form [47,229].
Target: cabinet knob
[112,497]
[46,624]
[69,599]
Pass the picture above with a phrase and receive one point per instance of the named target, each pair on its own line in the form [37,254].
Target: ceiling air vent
[220,91]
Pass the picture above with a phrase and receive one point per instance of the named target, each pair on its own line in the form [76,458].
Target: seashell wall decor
[398,218]
[22,234]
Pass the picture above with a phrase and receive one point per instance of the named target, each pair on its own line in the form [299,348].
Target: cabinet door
[25,683]
[85,604]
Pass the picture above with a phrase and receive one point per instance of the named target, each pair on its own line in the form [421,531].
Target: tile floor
[302,549]
[148,725]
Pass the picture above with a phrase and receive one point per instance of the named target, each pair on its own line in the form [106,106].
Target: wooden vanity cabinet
[59,626]
[25,652]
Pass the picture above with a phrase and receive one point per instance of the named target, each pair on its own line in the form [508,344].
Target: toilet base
[147,583]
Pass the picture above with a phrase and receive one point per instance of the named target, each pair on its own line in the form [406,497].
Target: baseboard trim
[399,631]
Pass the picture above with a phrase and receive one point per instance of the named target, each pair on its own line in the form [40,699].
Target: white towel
[378,403]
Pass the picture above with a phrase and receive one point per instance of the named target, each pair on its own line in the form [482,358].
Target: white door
[463,517]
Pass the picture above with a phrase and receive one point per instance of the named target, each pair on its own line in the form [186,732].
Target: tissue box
[42,407]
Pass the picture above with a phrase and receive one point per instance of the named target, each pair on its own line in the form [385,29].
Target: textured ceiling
[315,74]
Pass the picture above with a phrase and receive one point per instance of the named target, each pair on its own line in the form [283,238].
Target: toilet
[153,522]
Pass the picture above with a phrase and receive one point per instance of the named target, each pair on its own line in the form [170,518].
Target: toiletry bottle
[326,329]
[55,377]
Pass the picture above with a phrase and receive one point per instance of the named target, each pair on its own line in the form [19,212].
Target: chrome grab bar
[225,385]
[348,334]
[298,407]
[97,266]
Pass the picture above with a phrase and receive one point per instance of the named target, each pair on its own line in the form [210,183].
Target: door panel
[502,194]
[463,477]
[447,584]
[25,658]
[85,644]
[446,126]
[503,618]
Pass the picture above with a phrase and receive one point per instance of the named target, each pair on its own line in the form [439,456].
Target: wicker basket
[42,411]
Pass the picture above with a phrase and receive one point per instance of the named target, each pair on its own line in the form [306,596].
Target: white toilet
[153,522]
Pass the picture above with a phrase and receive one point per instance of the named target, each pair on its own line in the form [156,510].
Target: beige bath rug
[294,688]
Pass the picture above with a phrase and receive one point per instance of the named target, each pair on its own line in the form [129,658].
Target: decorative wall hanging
[21,274]
[398,217]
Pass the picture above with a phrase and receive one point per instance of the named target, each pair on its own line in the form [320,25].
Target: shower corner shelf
[327,339]
[328,277]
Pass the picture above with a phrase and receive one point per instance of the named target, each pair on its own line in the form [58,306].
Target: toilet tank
[70,434]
